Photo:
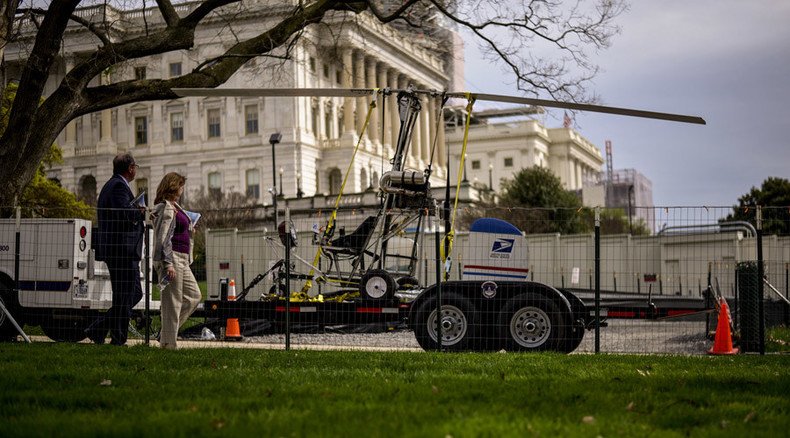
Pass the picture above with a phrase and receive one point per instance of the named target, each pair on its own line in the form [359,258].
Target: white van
[62,287]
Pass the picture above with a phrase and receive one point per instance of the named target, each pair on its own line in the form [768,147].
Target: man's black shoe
[95,337]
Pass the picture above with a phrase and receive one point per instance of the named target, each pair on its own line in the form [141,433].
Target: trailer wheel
[65,328]
[459,320]
[8,297]
[377,284]
[530,322]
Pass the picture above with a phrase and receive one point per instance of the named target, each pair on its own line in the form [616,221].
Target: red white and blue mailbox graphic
[496,250]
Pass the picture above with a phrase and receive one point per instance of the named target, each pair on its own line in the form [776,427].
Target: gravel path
[621,336]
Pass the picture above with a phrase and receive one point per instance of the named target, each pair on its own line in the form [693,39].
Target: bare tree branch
[168,12]
[511,37]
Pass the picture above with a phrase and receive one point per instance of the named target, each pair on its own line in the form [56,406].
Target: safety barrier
[582,280]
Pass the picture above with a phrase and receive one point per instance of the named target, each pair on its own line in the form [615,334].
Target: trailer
[492,306]
[52,279]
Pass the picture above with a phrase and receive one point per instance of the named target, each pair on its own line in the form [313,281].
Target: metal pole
[287,278]
[274,187]
[597,279]
[787,291]
[17,245]
[437,245]
[147,270]
[243,282]
[760,276]
[630,193]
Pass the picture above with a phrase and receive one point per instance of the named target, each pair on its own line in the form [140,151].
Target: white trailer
[60,285]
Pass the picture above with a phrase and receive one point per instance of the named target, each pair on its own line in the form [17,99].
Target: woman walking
[172,257]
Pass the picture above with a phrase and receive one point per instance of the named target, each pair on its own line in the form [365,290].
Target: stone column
[393,111]
[348,102]
[383,124]
[431,117]
[373,127]
[416,139]
[359,82]
[571,174]
[441,146]
[105,136]
[426,130]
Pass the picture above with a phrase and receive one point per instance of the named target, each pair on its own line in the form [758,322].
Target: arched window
[87,189]
[335,180]
[375,180]
[364,182]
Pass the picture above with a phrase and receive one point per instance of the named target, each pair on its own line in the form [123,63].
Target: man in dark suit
[119,243]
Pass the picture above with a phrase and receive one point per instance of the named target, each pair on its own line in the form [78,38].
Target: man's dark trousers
[126,292]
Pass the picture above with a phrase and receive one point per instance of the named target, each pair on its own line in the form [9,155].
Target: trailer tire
[10,300]
[377,284]
[460,323]
[532,322]
[573,340]
[68,329]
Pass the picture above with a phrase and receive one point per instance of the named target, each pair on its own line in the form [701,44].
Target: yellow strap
[450,234]
[331,223]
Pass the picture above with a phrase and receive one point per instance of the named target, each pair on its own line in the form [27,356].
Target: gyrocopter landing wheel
[377,284]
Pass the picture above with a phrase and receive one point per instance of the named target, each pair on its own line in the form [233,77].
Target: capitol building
[222,143]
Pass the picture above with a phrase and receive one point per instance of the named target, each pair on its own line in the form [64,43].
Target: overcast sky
[727,61]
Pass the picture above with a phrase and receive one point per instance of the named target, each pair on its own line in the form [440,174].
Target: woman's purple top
[181,234]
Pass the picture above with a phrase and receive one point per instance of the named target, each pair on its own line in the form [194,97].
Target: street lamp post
[273,140]
[490,176]
[465,158]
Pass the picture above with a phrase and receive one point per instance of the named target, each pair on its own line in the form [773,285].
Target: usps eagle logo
[502,248]
[489,289]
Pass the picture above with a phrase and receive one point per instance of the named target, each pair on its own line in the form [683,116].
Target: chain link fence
[509,278]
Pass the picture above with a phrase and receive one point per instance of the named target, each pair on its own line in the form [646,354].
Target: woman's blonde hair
[169,186]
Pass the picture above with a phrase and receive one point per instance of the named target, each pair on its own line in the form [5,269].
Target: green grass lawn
[83,389]
[777,339]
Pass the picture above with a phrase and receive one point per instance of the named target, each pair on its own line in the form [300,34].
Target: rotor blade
[583,107]
[274,92]
[358,92]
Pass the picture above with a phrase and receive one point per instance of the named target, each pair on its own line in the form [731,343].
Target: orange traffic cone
[722,343]
[232,330]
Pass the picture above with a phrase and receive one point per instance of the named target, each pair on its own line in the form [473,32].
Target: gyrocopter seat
[354,243]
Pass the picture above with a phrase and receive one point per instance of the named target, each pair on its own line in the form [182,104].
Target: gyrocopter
[455,315]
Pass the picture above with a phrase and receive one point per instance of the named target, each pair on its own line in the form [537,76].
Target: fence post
[147,270]
[760,277]
[597,279]
[287,294]
[437,245]
[787,292]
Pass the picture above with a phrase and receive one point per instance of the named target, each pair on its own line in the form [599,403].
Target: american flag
[566,120]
